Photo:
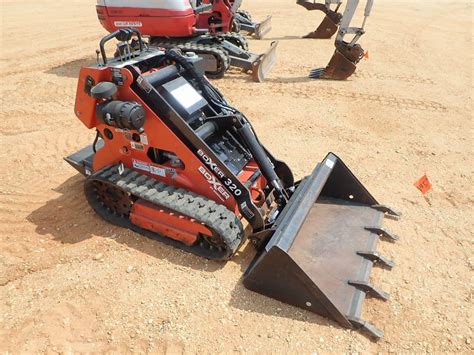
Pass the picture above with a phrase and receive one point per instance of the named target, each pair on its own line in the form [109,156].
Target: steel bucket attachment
[342,64]
[262,28]
[321,249]
[264,63]
[325,30]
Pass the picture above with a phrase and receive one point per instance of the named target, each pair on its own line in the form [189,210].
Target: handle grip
[124,34]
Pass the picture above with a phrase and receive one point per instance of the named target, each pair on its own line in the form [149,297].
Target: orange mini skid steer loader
[172,160]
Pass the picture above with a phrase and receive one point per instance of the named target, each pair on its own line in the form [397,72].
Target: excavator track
[112,196]
[236,39]
[245,13]
[221,57]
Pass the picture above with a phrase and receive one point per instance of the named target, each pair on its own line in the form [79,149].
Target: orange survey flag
[423,184]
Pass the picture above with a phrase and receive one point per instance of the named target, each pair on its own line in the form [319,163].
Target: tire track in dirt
[23,200]
[12,131]
[23,126]
[51,217]
[36,62]
[16,205]
[43,52]
[36,264]
[385,100]
[44,148]
[25,197]
[55,211]
[394,77]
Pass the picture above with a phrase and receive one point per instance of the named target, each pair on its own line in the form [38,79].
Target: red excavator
[174,161]
[202,27]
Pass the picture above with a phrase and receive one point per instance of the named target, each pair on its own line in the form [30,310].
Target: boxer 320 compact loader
[172,160]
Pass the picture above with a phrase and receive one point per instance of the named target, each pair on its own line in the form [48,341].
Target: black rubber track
[236,39]
[223,223]
[245,13]
[221,56]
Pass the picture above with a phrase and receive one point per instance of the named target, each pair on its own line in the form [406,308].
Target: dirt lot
[71,282]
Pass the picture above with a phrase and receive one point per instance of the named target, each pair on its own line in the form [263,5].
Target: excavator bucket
[339,68]
[342,64]
[328,27]
[264,63]
[322,247]
[325,30]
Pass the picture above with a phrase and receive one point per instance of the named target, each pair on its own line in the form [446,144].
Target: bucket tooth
[370,289]
[387,210]
[384,233]
[367,327]
[377,258]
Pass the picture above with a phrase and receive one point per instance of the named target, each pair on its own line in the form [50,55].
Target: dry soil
[71,282]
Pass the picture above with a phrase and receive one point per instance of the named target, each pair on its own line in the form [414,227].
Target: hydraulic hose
[261,158]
